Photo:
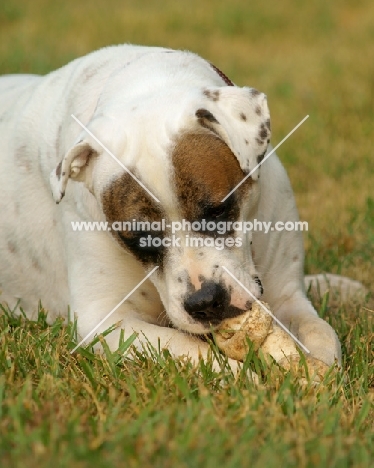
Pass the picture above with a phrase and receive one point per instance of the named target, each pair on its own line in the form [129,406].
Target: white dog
[189,136]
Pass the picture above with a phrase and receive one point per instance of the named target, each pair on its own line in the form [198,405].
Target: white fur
[136,101]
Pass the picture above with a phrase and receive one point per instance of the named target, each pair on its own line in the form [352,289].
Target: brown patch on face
[125,200]
[206,170]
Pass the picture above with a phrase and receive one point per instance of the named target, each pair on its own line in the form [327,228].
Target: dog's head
[190,164]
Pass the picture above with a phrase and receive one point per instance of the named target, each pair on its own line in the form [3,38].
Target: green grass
[316,58]
[84,409]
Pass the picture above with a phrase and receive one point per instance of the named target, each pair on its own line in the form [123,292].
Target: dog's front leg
[151,336]
[298,314]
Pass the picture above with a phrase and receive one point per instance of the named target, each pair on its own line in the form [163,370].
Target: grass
[59,409]
[84,409]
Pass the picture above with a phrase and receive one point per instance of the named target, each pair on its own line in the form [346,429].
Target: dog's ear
[80,160]
[240,116]
[74,165]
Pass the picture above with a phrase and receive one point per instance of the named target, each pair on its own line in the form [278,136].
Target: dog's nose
[208,303]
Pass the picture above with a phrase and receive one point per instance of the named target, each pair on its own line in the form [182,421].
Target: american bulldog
[132,134]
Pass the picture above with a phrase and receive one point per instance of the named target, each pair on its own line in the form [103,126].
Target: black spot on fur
[263,132]
[204,114]
[248,305]
[257,280]
[58,170]
[260,157]
[212,95]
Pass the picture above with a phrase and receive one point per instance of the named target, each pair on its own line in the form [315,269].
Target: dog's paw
[256,327]
[321,340]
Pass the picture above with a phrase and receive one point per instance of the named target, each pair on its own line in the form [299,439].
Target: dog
[132,134]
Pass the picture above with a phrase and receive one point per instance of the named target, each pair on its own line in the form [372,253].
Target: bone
[257,326]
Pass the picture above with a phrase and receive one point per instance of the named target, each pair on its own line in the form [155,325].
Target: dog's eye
[145,246]
[217,211]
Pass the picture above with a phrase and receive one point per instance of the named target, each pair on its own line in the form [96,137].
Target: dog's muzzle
[210,304]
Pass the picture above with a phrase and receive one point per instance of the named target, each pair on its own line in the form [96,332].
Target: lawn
[79,410]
